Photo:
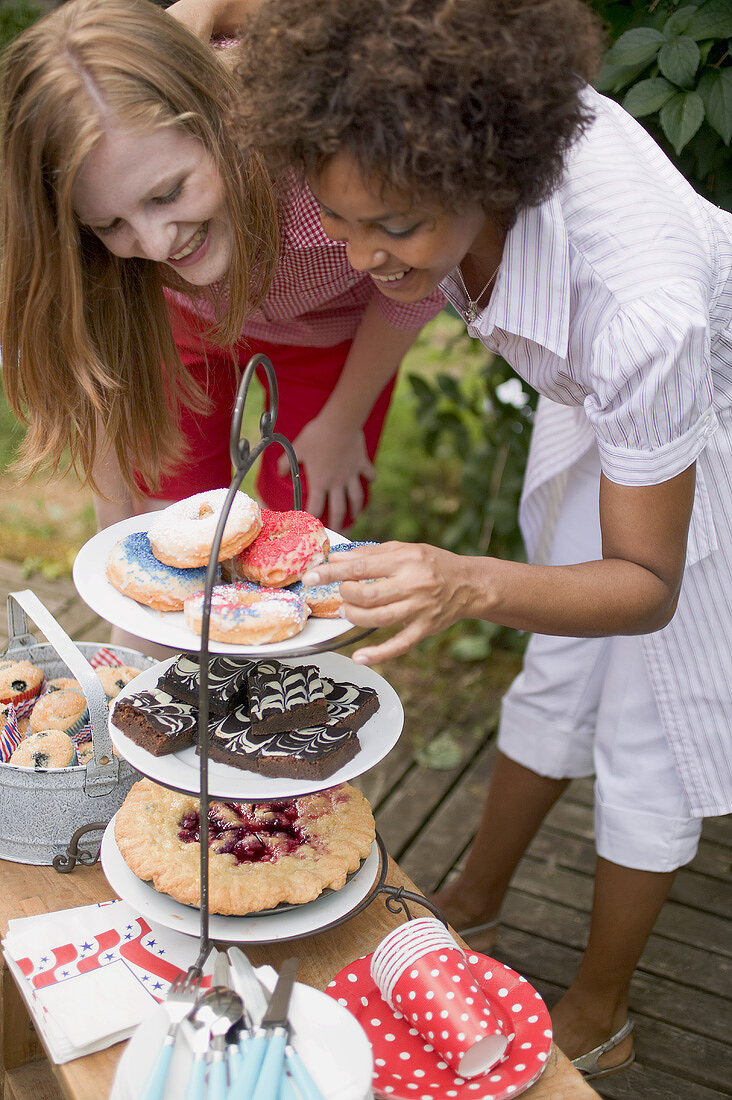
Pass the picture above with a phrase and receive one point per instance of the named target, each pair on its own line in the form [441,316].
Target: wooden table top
[28,890]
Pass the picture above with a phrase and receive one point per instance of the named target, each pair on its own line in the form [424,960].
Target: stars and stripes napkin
[90,975]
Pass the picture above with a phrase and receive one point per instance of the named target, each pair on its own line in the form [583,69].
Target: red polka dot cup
[422,973]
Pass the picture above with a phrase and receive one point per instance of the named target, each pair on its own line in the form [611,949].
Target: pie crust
[260,854]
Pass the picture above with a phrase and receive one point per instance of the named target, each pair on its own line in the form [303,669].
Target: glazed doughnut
[182,535]
[288,543]
[248,615]
[136,572]
[324,600]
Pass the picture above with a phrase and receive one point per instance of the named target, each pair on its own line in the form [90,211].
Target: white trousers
[584,706]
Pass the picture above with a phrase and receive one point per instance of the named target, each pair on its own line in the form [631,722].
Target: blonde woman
[127,202]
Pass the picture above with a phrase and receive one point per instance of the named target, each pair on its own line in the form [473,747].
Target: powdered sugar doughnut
[136,572]
[248,615]
[182,535]
[287,545]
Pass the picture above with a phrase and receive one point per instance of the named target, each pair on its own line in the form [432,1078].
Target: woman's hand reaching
[418,587]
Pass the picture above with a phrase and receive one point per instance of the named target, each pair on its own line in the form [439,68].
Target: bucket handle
[102,771]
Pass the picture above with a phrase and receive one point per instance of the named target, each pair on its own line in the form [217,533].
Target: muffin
[19,681]
[44,749]
[116,677]
[64,683]
[59,710]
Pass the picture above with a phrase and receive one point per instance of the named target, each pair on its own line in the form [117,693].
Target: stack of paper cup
[422,973]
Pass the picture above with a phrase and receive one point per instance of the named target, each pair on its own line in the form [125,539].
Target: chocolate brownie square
[285,697]
[227,681]
[157,722]
[315,752]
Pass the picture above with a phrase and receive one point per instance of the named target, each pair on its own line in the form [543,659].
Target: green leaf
[443,753]
[637,46]
[712,20]
[679,21]
[648,96]
[679,59]
[715,88]
[681,117]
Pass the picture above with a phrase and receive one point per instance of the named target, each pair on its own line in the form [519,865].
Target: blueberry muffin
[19,681]
[44,749]
[59,710]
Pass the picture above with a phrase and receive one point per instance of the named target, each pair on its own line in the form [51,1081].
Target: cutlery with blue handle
[274,1022]
[255,997]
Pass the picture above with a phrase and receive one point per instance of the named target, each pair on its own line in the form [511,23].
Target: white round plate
[181,770]
[331,1043]
[289,924]
[169,627]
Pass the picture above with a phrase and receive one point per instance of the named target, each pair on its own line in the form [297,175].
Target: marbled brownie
[227,681]
[285,697]
[314,752]
[156,721]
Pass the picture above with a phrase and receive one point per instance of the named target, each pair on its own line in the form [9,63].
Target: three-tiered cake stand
[193,773]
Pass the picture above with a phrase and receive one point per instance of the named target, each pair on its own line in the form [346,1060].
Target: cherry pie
[261,854]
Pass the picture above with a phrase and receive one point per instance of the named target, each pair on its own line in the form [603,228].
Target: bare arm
[206,18]
[632,590]
[114,501]
[331,447]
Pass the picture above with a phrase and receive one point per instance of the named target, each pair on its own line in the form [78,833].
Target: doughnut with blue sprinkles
[134,570]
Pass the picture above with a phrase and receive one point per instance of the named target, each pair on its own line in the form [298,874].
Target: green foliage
[670,65]
[15,16]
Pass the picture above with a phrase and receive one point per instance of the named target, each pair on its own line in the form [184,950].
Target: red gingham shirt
[316,298]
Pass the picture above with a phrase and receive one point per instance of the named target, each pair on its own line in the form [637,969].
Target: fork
[181,998]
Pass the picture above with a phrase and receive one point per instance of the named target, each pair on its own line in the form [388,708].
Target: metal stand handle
[242,458]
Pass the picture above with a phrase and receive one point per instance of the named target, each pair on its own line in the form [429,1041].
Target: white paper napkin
[90,975]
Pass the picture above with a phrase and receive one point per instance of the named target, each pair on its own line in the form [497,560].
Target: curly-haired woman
[455,143]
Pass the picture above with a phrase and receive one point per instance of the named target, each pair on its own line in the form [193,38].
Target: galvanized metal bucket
[40,811]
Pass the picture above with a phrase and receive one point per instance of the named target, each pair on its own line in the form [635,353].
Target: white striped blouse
[614,300]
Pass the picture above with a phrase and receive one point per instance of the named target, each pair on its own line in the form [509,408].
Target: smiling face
[158,196]
[407,250]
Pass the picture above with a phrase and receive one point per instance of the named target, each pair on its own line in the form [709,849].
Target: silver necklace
[472,310]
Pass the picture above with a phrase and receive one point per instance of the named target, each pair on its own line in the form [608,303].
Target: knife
[255,998]
[274,1022]
[252,1044]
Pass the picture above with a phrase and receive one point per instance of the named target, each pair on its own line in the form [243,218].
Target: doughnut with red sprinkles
[288,544]
[244,614]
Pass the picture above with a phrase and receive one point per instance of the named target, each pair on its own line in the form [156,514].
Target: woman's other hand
[334,464]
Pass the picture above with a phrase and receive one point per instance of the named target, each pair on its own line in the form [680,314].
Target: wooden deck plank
[690,888]
[692,1010]
[648,1078]
[675,961]
[451,826]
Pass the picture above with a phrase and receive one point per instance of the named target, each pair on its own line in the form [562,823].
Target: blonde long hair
[85,336]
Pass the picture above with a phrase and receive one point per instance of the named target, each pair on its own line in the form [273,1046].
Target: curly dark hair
[447,101]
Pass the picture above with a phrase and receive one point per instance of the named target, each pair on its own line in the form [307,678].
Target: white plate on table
[336,1047]
[181,770]
[288,924]
[169,627]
